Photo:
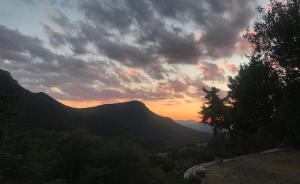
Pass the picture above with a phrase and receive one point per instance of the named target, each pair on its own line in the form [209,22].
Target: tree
[9,103]
[276,40]
[254,92]
[277,37]
[214,110]
[75,157]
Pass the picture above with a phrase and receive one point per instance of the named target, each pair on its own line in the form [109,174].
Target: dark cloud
[14,43]
[119,36]
[127,54]
[146,34]
[188,10]
[174,46]
[113,13]
[70,78]
[25,54]
[211,72]
[181,87]
[223,33]
[151,33]
[66,77]
[221,21]
[156,29]
[64,3]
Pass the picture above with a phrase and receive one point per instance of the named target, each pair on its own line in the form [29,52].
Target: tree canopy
[265,94]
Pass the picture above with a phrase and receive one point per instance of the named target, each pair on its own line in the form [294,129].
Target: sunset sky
[89,52]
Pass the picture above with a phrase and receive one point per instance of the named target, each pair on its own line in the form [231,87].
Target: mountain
[195,125]
[130,119]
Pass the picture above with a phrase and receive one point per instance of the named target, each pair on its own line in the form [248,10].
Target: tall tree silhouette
[276,40]
[254,92]
[213,111]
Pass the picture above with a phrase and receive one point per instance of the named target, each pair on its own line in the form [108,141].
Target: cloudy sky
[90,52]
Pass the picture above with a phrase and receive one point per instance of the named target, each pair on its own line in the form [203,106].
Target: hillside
[275,168]
[130,119]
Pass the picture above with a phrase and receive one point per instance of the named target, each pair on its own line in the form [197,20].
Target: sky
[90,52]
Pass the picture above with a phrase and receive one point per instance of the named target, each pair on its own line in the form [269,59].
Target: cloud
[127,49]
[130,73]
[15,46]
[171,89]
[231,68]
[183,86]
[211,71]
[173,46]
[114,14]
[31,59]
[64,3]
[147,34]
[81,34]
[71,78]
[151,31]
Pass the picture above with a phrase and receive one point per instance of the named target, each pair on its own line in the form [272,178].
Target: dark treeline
[263,105]
[74,157]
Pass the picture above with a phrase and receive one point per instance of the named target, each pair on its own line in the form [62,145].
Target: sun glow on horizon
[175,109]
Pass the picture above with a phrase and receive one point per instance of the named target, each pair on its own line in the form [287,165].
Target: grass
[275,168]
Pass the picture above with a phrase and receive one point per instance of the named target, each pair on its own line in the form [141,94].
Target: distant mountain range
[131,119]
[195,125]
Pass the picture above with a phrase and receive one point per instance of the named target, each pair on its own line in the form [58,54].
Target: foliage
[264,97]
[276,40]
[75,157]
[9,105]
[214,110]
[254,93]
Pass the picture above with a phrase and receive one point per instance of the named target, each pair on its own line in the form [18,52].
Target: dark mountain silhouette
[130,119]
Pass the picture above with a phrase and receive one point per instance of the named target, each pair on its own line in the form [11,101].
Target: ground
[275,168]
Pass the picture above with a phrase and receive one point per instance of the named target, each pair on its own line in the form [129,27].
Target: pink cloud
[231,68]
[198,36]
[242,46]
[130,73]
[211,72]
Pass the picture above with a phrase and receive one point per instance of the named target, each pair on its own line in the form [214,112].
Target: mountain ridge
[133,118]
